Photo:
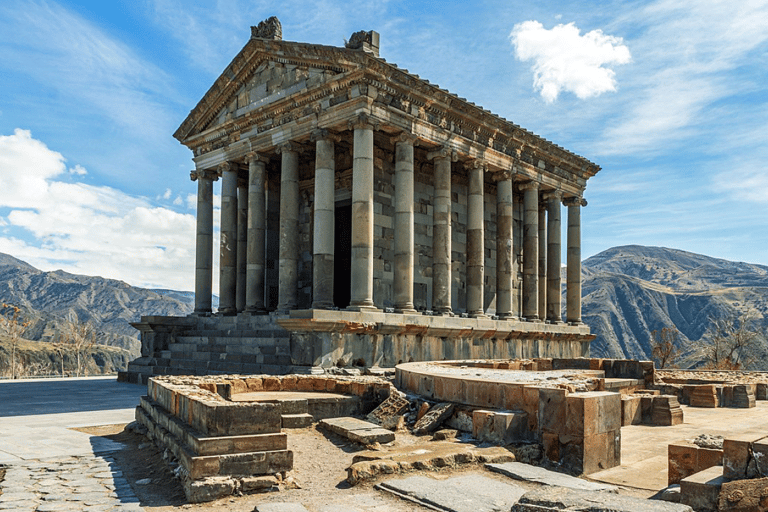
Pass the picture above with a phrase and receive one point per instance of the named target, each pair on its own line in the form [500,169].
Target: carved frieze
[270,28]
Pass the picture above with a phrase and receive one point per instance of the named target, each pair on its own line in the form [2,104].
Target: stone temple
[368,218]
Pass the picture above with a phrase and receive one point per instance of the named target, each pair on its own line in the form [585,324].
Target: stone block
[704,395]
[391,408]
[631,412]
[666,411]
[601,451]
[358,430]
[737,454]
[592,412]
[686,458]
[561,499]
[761,391]
[744,496]
[700,490]
[511,426]
[743,396]
[482,425]
[300,420]
[552,410]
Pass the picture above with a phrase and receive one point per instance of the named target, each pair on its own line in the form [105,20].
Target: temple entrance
[342,257]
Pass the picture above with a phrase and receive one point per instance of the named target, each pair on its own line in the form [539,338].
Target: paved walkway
[49,466]
[644,448]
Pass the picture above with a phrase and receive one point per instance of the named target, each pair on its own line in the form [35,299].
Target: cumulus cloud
[95,230]
[566,61]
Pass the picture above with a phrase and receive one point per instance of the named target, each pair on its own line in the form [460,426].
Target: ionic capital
[363,121]
[475,164]
[528,185]
[444,152]
[225,167]
[290,147]
[502,176]
[203,174]
[552,195]
[323,134]
[575,201]
[404,138]
[254,157]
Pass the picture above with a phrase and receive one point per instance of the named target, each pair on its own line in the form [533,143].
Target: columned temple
[369,217]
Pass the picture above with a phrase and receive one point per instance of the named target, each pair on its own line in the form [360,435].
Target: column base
[204,312]
[367,309]
[407,311]
[535,319]
[575,322]
[555,322]
[508,316]
[255,311]
[476,314]
[227,312]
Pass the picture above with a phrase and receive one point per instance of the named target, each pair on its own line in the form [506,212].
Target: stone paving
[78,483]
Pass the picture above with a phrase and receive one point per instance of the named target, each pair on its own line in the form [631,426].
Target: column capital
[502,175]
[549,195]
[290,147]
[475,163]
[528,185]
[574,201]
[225,167]
[203,174]
[323,134]
[255,157]
[404,137]
[363,120]
[444,152]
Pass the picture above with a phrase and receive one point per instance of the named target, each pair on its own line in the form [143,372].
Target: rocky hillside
[632,290]
[47,298]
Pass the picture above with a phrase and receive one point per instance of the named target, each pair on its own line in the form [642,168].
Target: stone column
[441,234]
[289,228]
[573,273]
[505,258]
[228,248]
[403,278]
[475,239]
[542,259]
[325,214]
[361,278]
[554,293]
[204,247]
[257,215]
[242,228]
[530,250]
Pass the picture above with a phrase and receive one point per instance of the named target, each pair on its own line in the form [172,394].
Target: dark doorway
[342,257]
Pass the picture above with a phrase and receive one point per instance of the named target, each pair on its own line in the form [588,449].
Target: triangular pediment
[263,73]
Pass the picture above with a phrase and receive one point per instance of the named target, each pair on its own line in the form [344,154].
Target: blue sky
[669,97]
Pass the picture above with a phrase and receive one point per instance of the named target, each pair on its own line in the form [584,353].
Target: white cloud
[78,170]
[94,230]
[167,194]
[565,60]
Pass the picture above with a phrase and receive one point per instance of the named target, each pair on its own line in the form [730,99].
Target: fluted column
[324,213]
[530,250]
[361,268]
[242,229]
[505,259]
[204,243]
[554,293]
[228,246]
[289,228]
[542,259]
[573,273]
[257,215]
[475,239]
[403,275]
[441,233]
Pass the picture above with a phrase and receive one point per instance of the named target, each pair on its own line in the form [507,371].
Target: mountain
[632,290]
[46,298]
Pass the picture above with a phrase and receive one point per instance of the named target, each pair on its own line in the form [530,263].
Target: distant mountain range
[48,297]
[627,293]
[630,291]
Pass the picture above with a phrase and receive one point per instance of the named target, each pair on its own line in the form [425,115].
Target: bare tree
[731,340]
[14,327]
[663,346]
[82,336]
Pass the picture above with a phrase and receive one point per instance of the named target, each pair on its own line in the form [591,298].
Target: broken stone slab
[433,418]
[744,496]
[280,507]
[561,499]
[701,490]
[465,493]
[685,458]
[741,455]
[358,430]
[369,465]
[388,413]
[528,473]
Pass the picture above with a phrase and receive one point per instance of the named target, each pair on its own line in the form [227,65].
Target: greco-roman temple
[368,218]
